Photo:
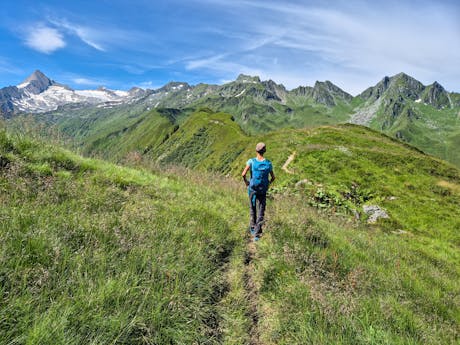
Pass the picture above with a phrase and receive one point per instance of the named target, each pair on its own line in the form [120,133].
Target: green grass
[324,282]
[432,130]
[93,253]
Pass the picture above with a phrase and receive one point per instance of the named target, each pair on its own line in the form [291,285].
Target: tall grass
[340,282]
[93,253]
[97,254]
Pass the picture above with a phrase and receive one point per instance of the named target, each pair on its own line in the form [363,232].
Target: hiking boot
[252,231]
[256,238]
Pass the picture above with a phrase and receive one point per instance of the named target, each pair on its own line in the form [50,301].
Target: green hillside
[208,140]
[341,168]
[92,253]
[95,253]
[432,130]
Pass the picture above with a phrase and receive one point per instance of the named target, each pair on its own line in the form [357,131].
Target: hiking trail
[252,291]
[288,161]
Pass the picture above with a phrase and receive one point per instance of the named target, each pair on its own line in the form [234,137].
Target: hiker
[257,188]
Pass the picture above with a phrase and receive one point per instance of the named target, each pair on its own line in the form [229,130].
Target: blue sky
[121,44]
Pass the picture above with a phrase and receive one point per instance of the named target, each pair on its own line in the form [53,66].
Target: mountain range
[427,117]
[38,93]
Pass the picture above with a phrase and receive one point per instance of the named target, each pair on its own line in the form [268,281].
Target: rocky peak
[375,92]
[321,94]
[275,88]
[36,83]
[334,90]
[327,93]
[436,95]
[138,92]
[399,85]
[302,91]
[406,86]
[243,78]
[174,86]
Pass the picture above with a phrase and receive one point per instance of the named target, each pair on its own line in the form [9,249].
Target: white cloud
[86,34]
[44,39]
[209,62]
[103,36]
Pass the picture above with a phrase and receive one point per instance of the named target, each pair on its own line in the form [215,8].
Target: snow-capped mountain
[39,94]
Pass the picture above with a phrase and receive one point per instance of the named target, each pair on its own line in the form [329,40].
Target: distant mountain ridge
[25,96]
[38,93]
[426,116]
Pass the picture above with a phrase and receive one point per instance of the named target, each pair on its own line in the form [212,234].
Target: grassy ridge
[343,168]
[145,134]
[206,141]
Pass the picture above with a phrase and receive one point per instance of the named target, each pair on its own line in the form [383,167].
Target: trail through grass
[93,253]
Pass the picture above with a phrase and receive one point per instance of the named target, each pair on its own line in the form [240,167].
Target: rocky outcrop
[277,89]
[374,213]
[375,92]
[173,86]
[302,91]
[243,78]
[399,85]
[7,95]
[436,96]
[323,93]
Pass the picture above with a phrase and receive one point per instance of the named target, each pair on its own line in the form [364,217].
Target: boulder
[374,212]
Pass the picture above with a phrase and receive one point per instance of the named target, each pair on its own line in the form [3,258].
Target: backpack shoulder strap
[253,160]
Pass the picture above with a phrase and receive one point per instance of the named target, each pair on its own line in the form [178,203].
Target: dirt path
[288,161]
[252,291]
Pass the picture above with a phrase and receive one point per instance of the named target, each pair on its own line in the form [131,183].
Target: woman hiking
[260,168]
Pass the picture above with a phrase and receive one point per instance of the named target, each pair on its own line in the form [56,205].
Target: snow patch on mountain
[102,95]
[241,93]
[22,85]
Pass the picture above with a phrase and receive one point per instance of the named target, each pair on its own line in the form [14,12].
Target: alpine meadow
[124,218]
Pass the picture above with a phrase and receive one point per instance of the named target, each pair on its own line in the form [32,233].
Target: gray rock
[374,212]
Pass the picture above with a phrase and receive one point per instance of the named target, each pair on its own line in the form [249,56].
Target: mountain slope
[206,140]
[424,116]
[93,252]
[86,252]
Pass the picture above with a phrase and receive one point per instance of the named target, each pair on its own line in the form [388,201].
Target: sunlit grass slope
[345,167]
[92,253]
[435,131]
[205,141]
[325,281]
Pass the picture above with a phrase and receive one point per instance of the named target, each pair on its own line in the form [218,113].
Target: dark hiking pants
[257,202]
